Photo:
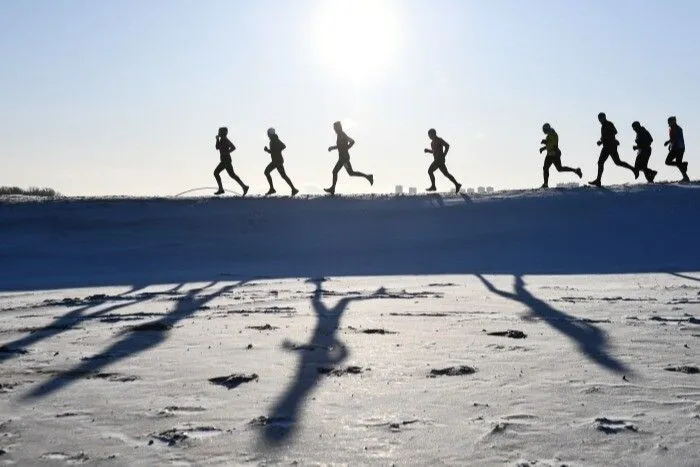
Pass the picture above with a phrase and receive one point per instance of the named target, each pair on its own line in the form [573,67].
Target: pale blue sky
[125,97]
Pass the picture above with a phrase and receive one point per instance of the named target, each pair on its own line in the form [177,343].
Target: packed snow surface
[556,327]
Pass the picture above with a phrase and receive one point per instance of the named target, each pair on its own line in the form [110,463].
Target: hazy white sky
[125,97]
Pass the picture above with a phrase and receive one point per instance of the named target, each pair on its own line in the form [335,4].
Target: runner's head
[223,131]
[636,126]
[432,133]
[602,117]
[671,121]
[546,128]
[271,132]
[337,127]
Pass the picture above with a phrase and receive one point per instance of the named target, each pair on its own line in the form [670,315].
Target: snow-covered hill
[145,241]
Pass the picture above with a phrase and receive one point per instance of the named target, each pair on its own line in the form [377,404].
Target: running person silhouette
[343,145]
[676,148]
[609,143]
[439,149]
[225,148]
[643,147]
[553,157]
[275,150]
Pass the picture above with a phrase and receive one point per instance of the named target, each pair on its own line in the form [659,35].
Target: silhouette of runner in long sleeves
[343,145]
[439,149]
[609,143]
[225,148]
[275,150]
[553,157]
[676,148]
[643,148]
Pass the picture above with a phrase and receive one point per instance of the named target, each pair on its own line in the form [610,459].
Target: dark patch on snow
[511,333]
[115,317]
[499,428]
[264,310]
[266,327]
[7,387]
[376,331]
[174,408]
[171,437]
[371,331]
[88,374]
[574,299]
[611,427]
[66,414]
[115,377]
[95,299]
[687,319]
[452,371]
[176,436]
[330,371]
[271,421]
[395,427]
[687,369]
[234,380]
[405,295]
[683,301]
[433,315]
[50,327]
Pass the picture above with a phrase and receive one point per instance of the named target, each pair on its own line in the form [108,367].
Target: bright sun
[357,39]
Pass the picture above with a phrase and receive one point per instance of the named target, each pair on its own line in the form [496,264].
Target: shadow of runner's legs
[323,349]
[70,320]
[591,340]
[133,341]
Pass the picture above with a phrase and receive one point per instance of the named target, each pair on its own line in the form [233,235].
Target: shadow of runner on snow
[134,340]
[684,276]
[72,319]
[323,350]
[590,339]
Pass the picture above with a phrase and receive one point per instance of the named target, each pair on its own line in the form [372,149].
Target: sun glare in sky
[357,39]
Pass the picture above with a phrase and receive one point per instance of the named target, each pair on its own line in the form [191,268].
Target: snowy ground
[280,331]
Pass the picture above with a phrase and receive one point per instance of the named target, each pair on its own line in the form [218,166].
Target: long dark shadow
[684,276]
[591,340]
[467,199]
[134,341]
[70,320]
[437,197]
[324,349]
